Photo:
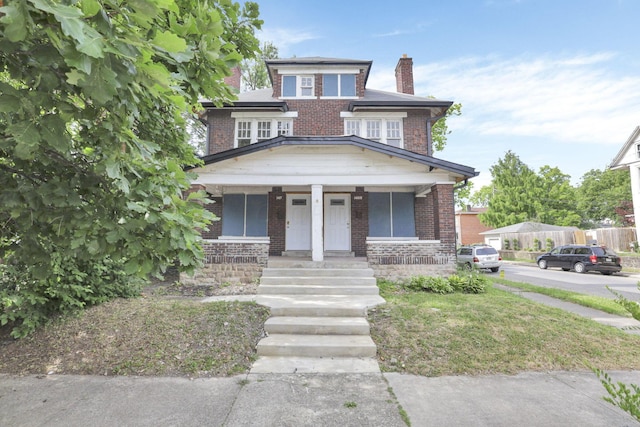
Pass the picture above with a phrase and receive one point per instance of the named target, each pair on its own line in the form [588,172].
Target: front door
[298,235]
[337,222]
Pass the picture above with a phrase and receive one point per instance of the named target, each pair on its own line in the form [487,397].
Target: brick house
[469,227]
[319,165]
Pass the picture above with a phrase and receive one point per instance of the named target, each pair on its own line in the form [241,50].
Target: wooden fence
[618,239]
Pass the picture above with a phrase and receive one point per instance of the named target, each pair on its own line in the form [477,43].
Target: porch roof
[465,172]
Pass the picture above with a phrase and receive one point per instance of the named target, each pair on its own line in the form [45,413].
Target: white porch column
[317,243]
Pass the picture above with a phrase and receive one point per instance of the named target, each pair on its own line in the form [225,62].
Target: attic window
[339,85]
[297,86]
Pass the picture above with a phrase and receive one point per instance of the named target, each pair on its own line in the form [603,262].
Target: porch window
[244,215]
[391,215]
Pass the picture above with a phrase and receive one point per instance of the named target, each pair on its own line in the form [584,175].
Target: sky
[557,82]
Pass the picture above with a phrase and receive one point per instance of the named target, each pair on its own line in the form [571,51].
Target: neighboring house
[469,227]
[629,158]
[320,165]
[497,236]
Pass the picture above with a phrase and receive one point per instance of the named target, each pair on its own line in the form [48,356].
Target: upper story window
[339,85]
[386,131]
[638,151]
[297,86]
[249,131]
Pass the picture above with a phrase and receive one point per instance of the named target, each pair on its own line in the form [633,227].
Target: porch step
[317,346]
[319,305]
[317,325]
[330,263]
[317,272]
[306,289]
[301,365]
[318,281]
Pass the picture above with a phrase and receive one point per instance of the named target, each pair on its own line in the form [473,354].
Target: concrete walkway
[528,399]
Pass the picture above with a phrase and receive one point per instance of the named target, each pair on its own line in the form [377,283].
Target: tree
[93,142]
[254,71]
[440,129]
[601,194]
[519,194]
[462,195]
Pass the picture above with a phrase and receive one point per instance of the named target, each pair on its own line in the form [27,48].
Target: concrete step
[301,365]
[317,290]
[317,346]
[290,262]
[319,305]
[317,325]
[342,281]
[317,272]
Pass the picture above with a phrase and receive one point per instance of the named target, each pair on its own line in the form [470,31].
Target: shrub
[516,245]
[470,283]
[536,244]
[29,298]
[437,285]
[549,245]
[507,244]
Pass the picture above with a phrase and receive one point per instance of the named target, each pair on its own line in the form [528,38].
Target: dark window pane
[233,215]
[348,85]
[256,215]
[288,85]
[379,215]
[330,85]
[404,224]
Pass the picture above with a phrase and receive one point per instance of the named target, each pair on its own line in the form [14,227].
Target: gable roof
[618,161]
[279,141]
[526,227]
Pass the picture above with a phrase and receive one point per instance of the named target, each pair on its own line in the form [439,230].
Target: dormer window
[297,86]
[339,85]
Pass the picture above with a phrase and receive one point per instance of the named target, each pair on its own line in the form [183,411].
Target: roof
[279,141]
[617,161]
[527,227]
[471,211]
[319,60]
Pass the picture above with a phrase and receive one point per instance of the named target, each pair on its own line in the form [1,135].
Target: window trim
[274,128]
[339,86]
[384,129]
[244,215]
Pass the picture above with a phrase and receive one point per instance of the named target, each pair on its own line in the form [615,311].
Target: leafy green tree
[93,142]
[254,71]
[462,195]
[519,194]
[601,193]
[440,129]
[481,197]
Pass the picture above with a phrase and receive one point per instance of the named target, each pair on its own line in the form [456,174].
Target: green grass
[599,303]
[495,332]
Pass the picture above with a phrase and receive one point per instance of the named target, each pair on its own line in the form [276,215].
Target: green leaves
[170,42]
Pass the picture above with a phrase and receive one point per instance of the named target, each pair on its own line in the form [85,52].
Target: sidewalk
[527,399]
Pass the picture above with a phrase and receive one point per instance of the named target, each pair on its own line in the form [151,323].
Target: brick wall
[404,75]
[230,261]
[444,214]
[415,132]
[470,228]
[402,259]
[215,228]
[221,130]
[359,221]
[277,220]
[425,228]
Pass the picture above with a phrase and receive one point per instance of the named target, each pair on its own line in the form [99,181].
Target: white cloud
[285,38]
[577,98]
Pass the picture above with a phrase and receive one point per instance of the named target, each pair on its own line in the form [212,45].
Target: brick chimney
[234,79]
[404,75]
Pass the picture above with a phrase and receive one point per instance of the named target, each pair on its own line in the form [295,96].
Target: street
[592,283]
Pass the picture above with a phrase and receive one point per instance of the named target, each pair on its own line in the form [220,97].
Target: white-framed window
[252,130]
[339,85]
[386,131]
[297,86]
[638,151]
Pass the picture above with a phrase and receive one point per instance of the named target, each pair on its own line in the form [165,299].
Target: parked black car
[581,258]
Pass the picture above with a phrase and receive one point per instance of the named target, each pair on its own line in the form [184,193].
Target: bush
[468,283]
[549,245]
[31,294]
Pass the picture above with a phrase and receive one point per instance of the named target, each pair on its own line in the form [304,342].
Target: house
[629,158]
[320,165]
[469,227]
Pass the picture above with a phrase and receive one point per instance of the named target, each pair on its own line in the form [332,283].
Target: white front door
[337,222]
[298,235]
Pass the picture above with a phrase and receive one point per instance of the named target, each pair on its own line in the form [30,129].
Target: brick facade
[277,220]
[397,260]
[404,75]
[359,221]
[215,228]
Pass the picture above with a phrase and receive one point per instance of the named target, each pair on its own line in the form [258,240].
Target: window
[381,130]
[339,85]
[249,131]
[391,215]
[297,86]
[244,215]
[638,151]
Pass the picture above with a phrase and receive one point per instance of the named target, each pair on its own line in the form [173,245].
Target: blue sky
[555,81]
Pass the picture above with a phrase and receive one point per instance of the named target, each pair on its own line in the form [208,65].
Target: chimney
[404,75]
[234,79]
